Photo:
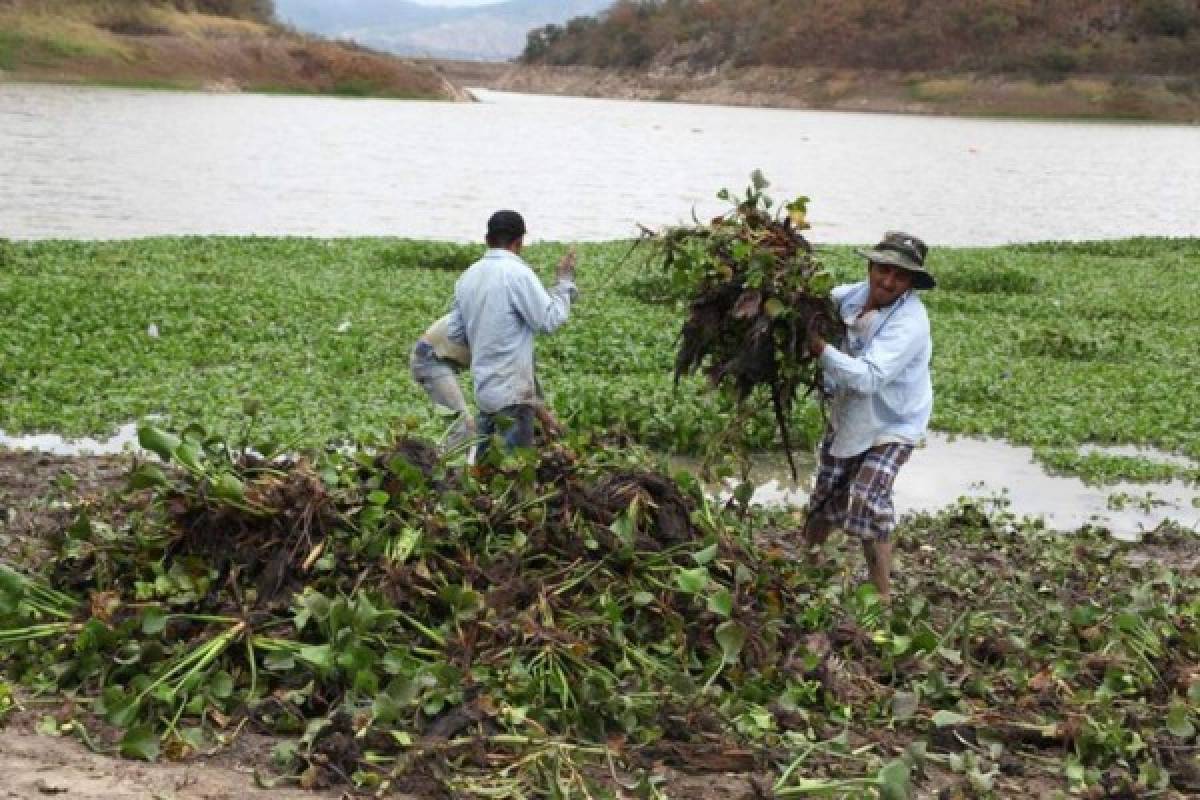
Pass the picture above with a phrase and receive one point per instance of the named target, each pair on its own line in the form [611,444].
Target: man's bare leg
[879,566]
[816,532]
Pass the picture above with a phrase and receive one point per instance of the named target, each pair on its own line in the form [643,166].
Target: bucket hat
[905,251]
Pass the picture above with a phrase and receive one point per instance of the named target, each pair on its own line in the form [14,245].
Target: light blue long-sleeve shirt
[882,387]
[499,306]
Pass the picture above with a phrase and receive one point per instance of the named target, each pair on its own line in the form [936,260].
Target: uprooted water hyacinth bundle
[755,287]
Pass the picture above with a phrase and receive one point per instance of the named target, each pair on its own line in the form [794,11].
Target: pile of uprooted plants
[552,625]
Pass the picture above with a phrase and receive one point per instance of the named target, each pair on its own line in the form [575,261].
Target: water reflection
[948,468]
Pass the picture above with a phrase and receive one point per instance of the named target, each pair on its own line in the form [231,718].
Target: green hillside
[228,45]
[1023,37]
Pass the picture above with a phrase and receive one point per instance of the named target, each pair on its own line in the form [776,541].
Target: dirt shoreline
[1143,98]
[33,765]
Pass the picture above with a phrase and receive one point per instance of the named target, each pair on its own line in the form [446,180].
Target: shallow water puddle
[124,439]
[947,468]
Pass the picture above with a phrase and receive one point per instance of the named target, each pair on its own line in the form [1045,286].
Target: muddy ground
[34,765]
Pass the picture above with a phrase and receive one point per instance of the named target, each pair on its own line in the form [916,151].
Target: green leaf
[642,598]
[154,621]
[692,581]
[732,638]
[624,527]
[706,555]
[894,781]
[121,713]
[188,454]
[1179,722]
[228,487]
[146,476]
[140,742]
[774,307]
[721,602]
[221,685]
[944,719]
[158,441]
[403,545]
[319,656]
[1076,774]
[821,283]
[284,753]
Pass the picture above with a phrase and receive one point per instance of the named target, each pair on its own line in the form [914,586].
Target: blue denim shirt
[882,388]
[499,306]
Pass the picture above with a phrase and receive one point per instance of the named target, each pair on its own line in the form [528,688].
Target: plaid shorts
[855,494]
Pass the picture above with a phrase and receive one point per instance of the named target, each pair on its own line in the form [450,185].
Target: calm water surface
[104,163]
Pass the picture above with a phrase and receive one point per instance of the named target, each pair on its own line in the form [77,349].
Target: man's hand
[566,267]
[816,342]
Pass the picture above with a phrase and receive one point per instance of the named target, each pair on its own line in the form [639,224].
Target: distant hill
[1049,39]
[228,45]
[495,32]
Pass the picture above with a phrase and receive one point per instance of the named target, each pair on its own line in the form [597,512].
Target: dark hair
[504,228]
[502,240]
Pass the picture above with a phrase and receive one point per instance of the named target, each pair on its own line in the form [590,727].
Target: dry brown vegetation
[1044,39]
[257,10]
[215,44]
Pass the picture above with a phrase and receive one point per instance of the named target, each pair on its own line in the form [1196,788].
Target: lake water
[1000,476]
[105,163]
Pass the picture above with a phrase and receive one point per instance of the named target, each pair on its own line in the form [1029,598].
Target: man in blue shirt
[499,306]
[881,398]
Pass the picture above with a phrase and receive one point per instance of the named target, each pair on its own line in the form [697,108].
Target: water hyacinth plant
[754,288]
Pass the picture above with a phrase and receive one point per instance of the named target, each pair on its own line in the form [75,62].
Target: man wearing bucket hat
[881,398]
[499,306]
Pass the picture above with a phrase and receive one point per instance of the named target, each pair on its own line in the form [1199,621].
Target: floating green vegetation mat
[1052,345]
[551,624]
